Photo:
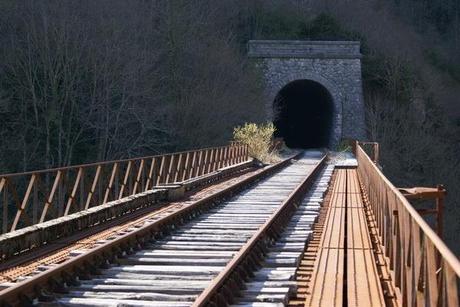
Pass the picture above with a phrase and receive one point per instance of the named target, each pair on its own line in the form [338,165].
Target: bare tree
[108,79]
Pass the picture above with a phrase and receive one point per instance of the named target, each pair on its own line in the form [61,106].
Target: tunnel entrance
[303,114]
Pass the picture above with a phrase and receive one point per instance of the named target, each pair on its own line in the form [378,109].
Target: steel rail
[52,280]
[225,283]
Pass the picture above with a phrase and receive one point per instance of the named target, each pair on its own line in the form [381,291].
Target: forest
[84,81]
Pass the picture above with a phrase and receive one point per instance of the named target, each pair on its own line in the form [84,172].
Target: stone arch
[279,83]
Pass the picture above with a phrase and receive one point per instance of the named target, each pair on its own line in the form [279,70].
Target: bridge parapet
[39,196]
[424,271]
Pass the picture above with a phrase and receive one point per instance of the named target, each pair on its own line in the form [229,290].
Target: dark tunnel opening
[303,114]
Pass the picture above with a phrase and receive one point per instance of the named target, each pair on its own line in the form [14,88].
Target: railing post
[49,201]
[82,190]
[160,172]
[150,175]
[440,210]
[186,166]
[138,177]
[35,202]
[219,158]
[170,168]
[24,202]
[215,157]
[376,152]
[74,191]
[192,165]
[212,157]
[246,152]
[60,194]
[208,163]
[178,169]
[198,164]
[3,188]
[125,180]
[240,150]
[226,156]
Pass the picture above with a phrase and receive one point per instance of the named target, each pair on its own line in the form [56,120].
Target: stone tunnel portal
[303,114]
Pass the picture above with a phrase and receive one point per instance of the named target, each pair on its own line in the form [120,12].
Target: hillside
[110,79]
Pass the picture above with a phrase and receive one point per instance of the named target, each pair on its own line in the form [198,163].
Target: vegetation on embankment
[95,80]
[259,139]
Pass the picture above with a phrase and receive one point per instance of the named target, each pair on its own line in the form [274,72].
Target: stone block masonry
[334,64]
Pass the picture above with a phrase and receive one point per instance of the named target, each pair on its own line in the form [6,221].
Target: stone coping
[304,49]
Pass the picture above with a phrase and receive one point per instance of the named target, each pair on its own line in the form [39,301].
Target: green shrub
[258,138]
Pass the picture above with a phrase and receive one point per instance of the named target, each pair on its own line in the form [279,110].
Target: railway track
[283,256]
[202,254]
[60,250]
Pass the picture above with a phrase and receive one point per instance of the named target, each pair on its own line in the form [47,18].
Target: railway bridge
[210,227]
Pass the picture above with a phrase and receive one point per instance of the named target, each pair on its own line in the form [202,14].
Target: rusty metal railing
[437,194]
[424,270]
[37,196]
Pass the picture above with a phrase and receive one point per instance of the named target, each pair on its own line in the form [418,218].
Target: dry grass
[259,140]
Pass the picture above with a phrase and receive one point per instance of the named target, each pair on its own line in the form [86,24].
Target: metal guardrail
[37,196]
[424,270]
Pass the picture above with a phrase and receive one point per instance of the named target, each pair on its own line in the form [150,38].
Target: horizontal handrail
[105,162]
[425,270]
[58,192]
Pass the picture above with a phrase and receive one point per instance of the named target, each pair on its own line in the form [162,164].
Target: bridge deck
[367,237]
[345,272]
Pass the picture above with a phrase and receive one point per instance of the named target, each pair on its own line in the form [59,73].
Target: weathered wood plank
[363,282]
[327,277]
